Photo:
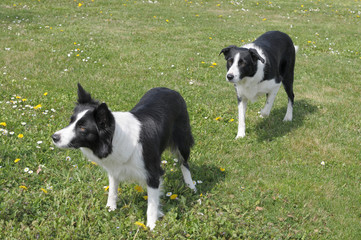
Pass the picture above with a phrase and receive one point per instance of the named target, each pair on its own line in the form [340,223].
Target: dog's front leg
[242,107]
[113,192]
[153,207]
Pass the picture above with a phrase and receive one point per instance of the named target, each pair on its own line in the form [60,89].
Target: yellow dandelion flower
[231,120]
[74,43]
[20,135]
[24,99]
[37,106]
[145,197]
[222,169]
[203,62]
[138,188]
[44,190]
[94,163]
[17,97]
[3,124]
[16,160]
[214,64]
[264,19]
[210,38]
[23,187]
[77,55]
[174,196]
[46,93]
[80,4]
[217,118]
[167,20]
[218,5]
[106,188]
[119,189]
[141,225]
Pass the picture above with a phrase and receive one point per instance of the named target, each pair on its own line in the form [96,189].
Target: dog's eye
[241,62]
[82,131]
[230,61]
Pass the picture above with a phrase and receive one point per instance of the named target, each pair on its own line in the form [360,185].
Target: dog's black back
[282,56]
[165,123]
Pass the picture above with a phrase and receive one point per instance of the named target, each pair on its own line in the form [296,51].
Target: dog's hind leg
[288,85]
[181,147]
[182,156]
[271,96]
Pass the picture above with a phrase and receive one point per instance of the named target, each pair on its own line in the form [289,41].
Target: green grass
[274,185]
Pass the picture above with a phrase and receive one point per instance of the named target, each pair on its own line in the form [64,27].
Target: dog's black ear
[83,96]
[255,56]
[103,117]
[226,50]
[106,125]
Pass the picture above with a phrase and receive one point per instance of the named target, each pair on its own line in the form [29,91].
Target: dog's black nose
[230,76]
[55,137]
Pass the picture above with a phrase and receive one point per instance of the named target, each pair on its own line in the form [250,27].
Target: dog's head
[241,62]
[91,126]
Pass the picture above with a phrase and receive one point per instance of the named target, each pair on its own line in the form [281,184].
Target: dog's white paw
[263,114]
[151,225]
[287,119]
[240,135]
[111,207]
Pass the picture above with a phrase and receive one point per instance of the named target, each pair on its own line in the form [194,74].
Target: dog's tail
[296,48]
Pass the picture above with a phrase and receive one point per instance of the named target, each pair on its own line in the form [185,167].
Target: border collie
[259,68]
[129,145]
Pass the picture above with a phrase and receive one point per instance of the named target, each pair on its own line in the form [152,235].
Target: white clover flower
[26,169]
[323,163]
[164,162]
[30,171]
[169,194]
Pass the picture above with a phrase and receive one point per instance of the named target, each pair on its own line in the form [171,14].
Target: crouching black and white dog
[259,68]
[128,145]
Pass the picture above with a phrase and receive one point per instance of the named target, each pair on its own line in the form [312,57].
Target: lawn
[284,180]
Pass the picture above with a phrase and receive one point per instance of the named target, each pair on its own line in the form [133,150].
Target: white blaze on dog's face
[241,62]
[65,137]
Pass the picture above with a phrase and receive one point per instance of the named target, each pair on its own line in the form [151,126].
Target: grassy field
[284,180]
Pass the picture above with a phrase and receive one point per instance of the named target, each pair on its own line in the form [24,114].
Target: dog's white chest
[249,89]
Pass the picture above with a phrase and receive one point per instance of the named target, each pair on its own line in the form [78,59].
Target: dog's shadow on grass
[273,127]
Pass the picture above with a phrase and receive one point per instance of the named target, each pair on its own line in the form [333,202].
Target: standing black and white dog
[259,68]
[128,145]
